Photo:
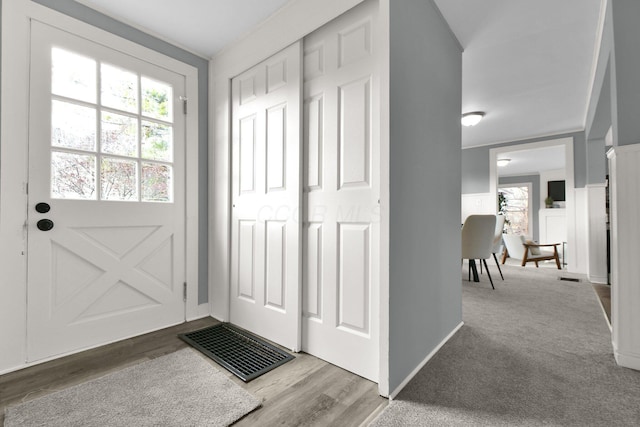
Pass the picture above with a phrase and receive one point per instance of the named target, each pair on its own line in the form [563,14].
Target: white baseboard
[600,280]
[604,312]
[631,361]
[402,385]
[219,317]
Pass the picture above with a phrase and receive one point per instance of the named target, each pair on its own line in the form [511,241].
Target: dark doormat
[240,352]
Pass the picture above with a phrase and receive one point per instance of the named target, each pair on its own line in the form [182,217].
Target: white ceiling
[202,26]
[528,162]
[527,63]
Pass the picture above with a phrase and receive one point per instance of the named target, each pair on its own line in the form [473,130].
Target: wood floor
[306,391]
[604,295]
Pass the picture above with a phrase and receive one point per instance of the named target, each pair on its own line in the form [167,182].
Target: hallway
[536,351]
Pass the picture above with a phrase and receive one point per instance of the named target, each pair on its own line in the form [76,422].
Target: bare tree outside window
[516,209]
[118,146]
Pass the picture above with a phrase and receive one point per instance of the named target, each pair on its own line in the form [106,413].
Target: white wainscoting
[578,257]
[624,176]
[597,231]
[477,203]
[552,225]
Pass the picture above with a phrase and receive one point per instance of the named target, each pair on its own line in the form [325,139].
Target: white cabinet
[553,225]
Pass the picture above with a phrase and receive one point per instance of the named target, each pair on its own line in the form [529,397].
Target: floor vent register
[238,351]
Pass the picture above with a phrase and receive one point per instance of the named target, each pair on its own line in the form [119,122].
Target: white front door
[106,172]
[265,226]
[342,187]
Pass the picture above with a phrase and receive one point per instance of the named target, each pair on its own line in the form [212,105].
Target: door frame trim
[567,142]
[16,27]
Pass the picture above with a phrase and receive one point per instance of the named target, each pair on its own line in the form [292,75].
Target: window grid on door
[518,201]
[111,132]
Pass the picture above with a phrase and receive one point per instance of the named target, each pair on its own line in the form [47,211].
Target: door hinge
[26,188]
[184,104]
[184,292]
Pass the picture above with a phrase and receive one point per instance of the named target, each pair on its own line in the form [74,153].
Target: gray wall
[475,170]
[599,118]
[626,33]
[475,162]
[425,102]
[615,99]
[600,114]
[579,160]
[596,161]
[535,197]
[90,16]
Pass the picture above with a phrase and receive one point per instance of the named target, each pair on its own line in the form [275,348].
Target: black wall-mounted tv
[555,190]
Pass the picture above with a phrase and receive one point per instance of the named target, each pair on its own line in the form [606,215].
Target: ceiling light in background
[471,119]
[503,162]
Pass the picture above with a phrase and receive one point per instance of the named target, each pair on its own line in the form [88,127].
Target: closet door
[266,193]
[341,182]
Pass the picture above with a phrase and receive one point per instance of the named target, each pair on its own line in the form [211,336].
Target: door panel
[341,223]
[354,133]
[266,169]
[353,279]
[106,153]
[312,297]
[247,165]
[276,264]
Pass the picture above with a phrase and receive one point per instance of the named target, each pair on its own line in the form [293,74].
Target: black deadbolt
[45,224]
[43,207]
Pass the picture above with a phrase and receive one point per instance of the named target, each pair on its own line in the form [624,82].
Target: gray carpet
[536,351]
[180,389]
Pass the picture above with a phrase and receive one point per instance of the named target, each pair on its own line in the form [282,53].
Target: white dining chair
[497,240]
[477,241]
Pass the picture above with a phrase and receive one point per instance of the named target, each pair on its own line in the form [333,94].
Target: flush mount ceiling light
[503,162]
[471,119]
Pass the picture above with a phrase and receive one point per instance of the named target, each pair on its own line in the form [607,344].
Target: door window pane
[73,75]
[156,99]
[119,88]
[157,142]
[119,135]
[156,182]
[73,176]
[73,126]
[118,146]
[516,209]
[118,179]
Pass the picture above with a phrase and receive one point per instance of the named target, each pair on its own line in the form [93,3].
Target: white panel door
[266,192]
[341,181]
[106,156]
